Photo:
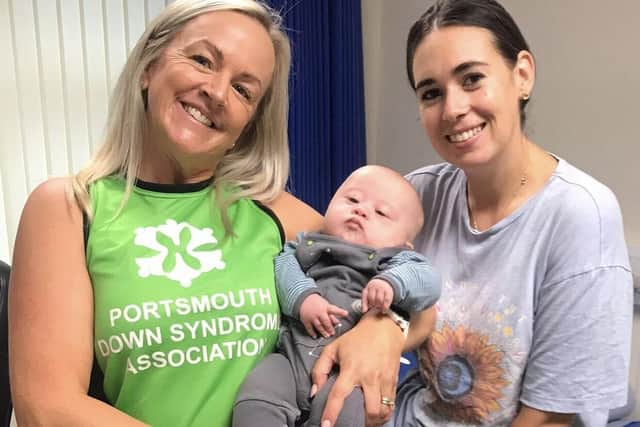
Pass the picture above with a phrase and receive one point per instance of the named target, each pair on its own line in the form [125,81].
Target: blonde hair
[258,165]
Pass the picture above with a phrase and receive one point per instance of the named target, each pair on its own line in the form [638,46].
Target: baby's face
[373,209]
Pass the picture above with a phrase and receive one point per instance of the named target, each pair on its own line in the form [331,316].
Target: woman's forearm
[64,410]
[420,327]
[530,417]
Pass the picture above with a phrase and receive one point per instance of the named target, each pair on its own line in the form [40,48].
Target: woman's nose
[456,105]
[217,90]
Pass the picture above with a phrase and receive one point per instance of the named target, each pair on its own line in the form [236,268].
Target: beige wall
[584,107]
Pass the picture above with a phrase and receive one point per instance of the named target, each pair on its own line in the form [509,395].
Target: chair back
[5,392]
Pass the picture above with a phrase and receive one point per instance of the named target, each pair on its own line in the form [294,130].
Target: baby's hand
[316,314]
[377,294]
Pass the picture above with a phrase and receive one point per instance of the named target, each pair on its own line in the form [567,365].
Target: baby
[361,260]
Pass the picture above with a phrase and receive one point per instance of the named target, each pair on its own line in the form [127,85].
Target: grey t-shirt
[537,309]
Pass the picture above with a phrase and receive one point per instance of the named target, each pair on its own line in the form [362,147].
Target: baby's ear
[409,245]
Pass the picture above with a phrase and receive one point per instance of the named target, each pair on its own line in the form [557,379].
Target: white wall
[61,58]
[584,108]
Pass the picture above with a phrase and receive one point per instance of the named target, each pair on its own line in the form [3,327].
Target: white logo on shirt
[184,252]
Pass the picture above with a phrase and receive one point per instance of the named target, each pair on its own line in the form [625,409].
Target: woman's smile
[198,115]
[465,135]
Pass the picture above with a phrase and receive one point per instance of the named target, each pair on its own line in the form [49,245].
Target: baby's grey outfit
[277,390]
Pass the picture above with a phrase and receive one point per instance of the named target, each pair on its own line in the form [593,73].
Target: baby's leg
[352,414]
[267,396]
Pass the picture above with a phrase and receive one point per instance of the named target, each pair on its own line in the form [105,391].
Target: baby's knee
[351,415]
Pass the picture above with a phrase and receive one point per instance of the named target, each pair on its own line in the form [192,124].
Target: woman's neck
[173,176]
[496,190]
[494,183]
[160,168]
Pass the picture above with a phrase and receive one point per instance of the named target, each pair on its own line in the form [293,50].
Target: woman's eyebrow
[213,49]
[219,57]
[466,65]
[459,69]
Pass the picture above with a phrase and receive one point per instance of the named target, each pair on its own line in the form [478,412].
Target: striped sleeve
[292,285]
[416,284]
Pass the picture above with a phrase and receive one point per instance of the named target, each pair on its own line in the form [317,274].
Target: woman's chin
[193,144]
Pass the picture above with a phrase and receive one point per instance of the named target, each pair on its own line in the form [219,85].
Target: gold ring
[387,402]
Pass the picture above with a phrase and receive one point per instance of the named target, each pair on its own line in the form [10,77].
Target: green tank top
[181,314]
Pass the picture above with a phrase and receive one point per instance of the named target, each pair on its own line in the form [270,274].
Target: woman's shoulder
[586,216]
[294,215]
[54,192]
[52,208]
[53,200]
[434,172]
[582,197]
[429,178]
[437,184]
[577,183]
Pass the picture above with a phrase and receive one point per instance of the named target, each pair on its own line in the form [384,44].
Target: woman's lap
[409,390]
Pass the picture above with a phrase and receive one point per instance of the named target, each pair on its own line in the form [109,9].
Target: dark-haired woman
[534,322]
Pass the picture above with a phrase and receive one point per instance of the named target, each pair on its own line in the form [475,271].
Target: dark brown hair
[487,14]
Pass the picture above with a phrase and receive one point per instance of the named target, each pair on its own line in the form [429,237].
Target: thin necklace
[523,181]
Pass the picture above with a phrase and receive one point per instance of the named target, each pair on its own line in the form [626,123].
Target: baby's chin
[358,237]
[373,243]
[353,236]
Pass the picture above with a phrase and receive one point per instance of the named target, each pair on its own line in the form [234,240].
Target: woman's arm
[529,417]
[376,369]
[51,317]
[295,215]
[369,357]
[420,327]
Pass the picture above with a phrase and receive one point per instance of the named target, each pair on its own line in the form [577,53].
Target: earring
[525,96]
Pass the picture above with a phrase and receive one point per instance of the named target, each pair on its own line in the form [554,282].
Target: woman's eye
[430,94]
[202,60]
[242,91]
[471,80]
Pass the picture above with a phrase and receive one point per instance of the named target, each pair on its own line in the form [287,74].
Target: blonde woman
[171,287]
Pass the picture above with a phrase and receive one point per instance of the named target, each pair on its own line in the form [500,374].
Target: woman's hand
[369,357]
